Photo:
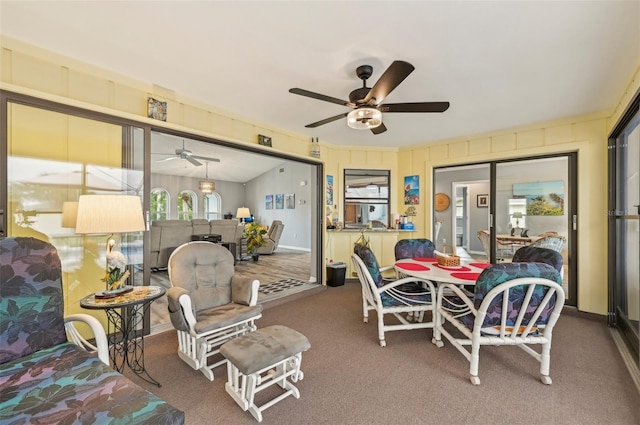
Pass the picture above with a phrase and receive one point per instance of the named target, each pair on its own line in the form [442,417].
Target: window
[187,205]
[159,204]
[518,213]
[366,198]
[212,206]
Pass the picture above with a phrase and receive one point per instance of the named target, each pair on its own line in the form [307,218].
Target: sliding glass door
[54,157]
[533,207]
[501,206]
[624,230]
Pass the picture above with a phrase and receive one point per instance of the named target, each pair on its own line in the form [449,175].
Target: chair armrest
[404,280]
[456,310]
[244,290]
[101,347]
[181,309]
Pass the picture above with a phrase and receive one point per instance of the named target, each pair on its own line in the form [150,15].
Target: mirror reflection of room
[366,199]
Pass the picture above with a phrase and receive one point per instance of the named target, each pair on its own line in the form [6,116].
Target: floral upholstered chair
[397,297]
[513,304]
[44,378]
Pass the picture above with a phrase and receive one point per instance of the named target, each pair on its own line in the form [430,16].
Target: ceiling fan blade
[318,96]
[379,129]
[326,120]
[193,161]
[205,158]
[167,159]
[392,77]
[415,107]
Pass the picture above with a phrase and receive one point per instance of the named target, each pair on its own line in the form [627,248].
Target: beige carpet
[350,379]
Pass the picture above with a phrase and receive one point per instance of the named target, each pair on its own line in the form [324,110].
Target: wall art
[412,190]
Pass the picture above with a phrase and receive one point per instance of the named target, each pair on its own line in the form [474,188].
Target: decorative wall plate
[442,202]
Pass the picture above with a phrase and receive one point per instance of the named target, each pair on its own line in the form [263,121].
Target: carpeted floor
[350,379]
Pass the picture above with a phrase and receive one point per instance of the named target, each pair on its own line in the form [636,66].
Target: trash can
[336,273]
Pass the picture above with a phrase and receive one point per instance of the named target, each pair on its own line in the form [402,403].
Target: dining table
[428,268]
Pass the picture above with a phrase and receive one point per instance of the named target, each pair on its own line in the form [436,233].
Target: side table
[125,313]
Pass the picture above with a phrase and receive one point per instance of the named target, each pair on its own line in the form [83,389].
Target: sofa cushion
[65,384]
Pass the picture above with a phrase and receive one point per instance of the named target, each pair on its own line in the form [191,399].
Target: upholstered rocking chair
[407,295]
[513,304]
[208,303]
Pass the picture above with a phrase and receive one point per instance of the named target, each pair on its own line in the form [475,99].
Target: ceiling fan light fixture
[364,118]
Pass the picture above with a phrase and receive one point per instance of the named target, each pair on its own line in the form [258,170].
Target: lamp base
[102,295]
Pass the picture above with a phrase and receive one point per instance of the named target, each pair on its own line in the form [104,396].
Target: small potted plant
[254,234]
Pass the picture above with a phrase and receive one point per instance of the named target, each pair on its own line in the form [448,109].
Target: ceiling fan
[186,155]
[366,102]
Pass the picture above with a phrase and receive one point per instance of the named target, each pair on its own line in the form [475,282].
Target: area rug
[282,288]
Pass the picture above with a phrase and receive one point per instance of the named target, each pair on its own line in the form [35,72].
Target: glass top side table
[125,314]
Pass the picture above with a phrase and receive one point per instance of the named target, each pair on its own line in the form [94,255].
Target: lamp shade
[69,214]
[109,214]
[517,215]
[243,212]
[207,186]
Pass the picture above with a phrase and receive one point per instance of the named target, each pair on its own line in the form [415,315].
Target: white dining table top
[427,268]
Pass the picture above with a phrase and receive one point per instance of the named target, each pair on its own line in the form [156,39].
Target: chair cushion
[31,302]
[225,315]
[65,384]
[414,248]
[369,260]
[264,347]
[500,273]
[533,254]
[205,270]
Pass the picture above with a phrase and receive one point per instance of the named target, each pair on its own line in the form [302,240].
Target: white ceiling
[500,64]
[235,165]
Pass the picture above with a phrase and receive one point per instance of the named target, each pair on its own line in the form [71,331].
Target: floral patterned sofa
[45,379]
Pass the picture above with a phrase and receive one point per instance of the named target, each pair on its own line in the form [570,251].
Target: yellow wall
[30,70]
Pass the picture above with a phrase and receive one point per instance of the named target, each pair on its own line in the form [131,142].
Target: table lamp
[243,213]
[517,216]
[100,214]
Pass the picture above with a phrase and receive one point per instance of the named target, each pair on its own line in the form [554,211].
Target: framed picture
[156,109]
[290,201]
[264,140]
[279,201]
[329,190]
[542,198]
[483,201]
[268,202]
[412,190]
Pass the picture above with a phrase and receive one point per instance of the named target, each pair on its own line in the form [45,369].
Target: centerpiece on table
[254,234]
[116,275]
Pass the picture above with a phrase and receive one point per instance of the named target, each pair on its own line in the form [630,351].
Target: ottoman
[259,359]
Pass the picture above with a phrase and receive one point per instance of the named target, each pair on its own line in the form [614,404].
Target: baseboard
[627,357]
[293,248]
